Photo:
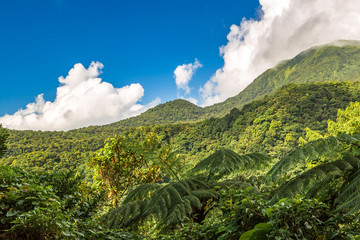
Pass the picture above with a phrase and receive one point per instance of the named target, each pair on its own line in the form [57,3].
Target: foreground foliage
[142,189]
[128,161]
[49,206]
[312,193]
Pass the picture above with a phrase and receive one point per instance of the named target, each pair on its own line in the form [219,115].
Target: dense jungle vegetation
[143,188]
[283,166]
[271,126]
[191,129]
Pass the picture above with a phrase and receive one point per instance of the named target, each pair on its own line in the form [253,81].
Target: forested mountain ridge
[286,166]
[141,186]
[272,125]
[189,127]
[177,111]
[338,61]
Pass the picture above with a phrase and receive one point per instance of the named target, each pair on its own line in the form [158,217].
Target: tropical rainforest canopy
[281,160]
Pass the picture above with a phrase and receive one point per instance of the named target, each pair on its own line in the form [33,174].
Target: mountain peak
[343,43]
[336,61]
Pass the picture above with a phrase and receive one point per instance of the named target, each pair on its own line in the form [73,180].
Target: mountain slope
[337,62]
[180,123]
[174,111]
[177,111]
[272,125]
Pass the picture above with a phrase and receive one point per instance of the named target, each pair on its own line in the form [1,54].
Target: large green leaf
[318,151]
[259,232]
[316,178]
[349,198]
[170,203]
[224,162]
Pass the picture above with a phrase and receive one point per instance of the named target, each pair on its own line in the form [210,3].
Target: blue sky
[136,41]
[119,58]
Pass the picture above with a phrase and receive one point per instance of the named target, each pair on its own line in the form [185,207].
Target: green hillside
[189,127]
[141,189]
[272,125]
[319,64]
[246,167]
[280,161]
[177,111]
[71,150]
[325,63]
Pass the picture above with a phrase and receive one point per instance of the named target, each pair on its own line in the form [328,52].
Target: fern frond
[225,161]
[352,205]
[170,203]
[203,194]
[236,184]
[124,215]
[319,187]
[351,139]
[177,200]
[305,182]
[310,152]
[351,188]
[141,192]
[349,198]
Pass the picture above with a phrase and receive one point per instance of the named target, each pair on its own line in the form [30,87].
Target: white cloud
[82,99]
[183,74]
[191,99]
[286,27]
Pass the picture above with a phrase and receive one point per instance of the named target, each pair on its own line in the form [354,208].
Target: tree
[3,136]
[131,160]
[183,199]
[45,205]
[348,121]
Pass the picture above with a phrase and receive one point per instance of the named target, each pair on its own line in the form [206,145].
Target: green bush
[49,206]
[300,219]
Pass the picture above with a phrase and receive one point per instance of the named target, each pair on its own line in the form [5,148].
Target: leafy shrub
[299,219]
[303,218]
[49,206]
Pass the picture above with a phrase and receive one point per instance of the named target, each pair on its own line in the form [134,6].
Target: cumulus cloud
[183,74]
[191,99]
[285,28]
[82,99]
